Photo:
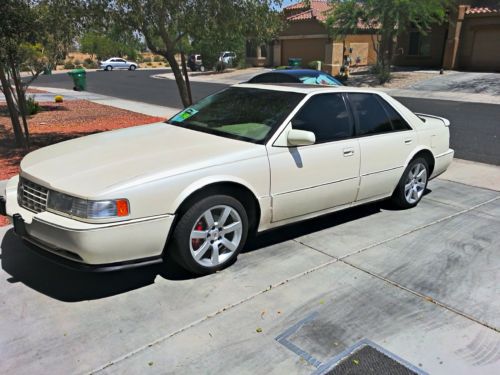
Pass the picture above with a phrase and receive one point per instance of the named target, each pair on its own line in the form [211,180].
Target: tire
[132,67]
[412,185]
[201,244]
[109,68]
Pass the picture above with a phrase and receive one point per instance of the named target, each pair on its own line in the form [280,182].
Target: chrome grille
[32,196]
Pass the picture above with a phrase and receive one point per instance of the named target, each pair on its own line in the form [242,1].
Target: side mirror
[300,138]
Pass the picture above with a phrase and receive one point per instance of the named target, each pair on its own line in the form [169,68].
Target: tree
[33,36]
[168,26]
[386,19]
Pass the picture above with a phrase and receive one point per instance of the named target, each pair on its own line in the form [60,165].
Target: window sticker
[184,115]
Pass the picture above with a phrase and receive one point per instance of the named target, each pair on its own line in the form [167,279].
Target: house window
[263,50]
[420,44]
[251,48]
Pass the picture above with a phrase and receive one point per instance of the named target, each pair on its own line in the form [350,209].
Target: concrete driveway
[467,82]
[423,284]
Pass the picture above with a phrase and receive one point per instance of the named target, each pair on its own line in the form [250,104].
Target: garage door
[307,49]
[486,50]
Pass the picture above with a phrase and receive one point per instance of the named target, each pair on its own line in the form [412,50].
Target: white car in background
[118,63]
[244,160]
[227,57]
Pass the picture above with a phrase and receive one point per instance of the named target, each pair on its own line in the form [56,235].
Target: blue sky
[288,2]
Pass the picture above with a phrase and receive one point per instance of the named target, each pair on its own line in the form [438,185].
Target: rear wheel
[412,184]
[210,234]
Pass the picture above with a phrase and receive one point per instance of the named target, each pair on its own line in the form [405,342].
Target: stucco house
[469,40]
[306,36]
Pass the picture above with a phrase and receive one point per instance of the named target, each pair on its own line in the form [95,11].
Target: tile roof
[315,11]
[481,10]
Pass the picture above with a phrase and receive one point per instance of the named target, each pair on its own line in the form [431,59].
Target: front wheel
[412,185]
[132,67]
[210,234]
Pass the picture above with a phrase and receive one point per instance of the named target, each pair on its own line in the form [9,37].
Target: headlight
[87,209]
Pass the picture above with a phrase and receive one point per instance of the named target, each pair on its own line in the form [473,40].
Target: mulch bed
[58,122]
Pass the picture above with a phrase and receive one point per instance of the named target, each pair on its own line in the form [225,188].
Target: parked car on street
[195,63]
[118,63]
[227,57]
[246,159]
[305,76]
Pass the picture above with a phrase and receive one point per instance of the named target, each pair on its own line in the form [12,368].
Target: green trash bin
[79,79]
[295,61]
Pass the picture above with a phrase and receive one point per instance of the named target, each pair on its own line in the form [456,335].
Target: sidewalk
[130,105]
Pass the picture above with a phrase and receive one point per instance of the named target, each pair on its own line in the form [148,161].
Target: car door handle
[408,141]
[348,152]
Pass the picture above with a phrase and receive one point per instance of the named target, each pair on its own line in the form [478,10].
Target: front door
[321,176]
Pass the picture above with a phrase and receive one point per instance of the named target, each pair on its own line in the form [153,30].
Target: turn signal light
[122,207]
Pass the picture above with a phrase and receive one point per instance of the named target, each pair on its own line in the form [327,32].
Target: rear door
[385,140]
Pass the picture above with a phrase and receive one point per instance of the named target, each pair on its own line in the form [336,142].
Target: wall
[479,47]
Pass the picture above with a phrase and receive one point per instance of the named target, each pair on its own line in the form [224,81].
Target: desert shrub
[314,64]
[69,65]
[149,63]
[146,59]
[78,67]
[383,74]
[90,65]
[77,62]
[157,58]
[32,106]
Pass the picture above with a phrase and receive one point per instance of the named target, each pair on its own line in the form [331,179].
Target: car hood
[98,164]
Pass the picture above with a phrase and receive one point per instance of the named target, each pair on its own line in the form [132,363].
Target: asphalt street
[475,127]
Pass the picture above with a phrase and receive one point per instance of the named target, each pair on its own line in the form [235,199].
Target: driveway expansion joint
[300,275]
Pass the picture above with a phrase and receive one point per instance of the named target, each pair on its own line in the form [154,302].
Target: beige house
[470,40]
[306,37]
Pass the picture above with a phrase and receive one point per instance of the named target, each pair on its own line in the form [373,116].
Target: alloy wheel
[215,236]
[415,183]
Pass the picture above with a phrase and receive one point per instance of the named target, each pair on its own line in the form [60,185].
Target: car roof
[296,71]
[305,89]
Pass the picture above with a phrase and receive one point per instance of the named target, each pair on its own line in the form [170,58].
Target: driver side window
[326,116]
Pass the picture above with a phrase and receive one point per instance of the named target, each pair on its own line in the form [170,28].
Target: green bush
[90,64]
[77,62]
[32,106]
[78,67]
[157,58]
[315,64]
[383,75]
[69,65]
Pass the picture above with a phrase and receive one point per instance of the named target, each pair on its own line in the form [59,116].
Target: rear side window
[369,113]
[326,116]
[273,78]
[398,122]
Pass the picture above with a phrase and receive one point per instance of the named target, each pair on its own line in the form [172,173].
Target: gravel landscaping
[58,122]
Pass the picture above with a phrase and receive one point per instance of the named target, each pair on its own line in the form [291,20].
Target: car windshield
[246,114]
[320,79]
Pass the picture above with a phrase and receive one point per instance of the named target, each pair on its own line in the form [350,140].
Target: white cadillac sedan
[246,159]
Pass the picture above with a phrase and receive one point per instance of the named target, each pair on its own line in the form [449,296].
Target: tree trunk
[21,98]
[11,105]
[186,77]
[181,84]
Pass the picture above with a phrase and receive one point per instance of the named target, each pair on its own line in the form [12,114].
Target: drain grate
[367,360]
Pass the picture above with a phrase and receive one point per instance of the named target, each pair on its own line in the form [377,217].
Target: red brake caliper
[196,242]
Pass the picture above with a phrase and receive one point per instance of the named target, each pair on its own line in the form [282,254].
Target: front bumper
[102,247]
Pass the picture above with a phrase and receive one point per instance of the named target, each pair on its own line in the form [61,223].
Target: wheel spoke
[224,216]
[408,186]
[228,244]
[231,228]
[414,194]
[197,234]
[421,174]
[421,185]
[209,218]
[202,250]
[215,254]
